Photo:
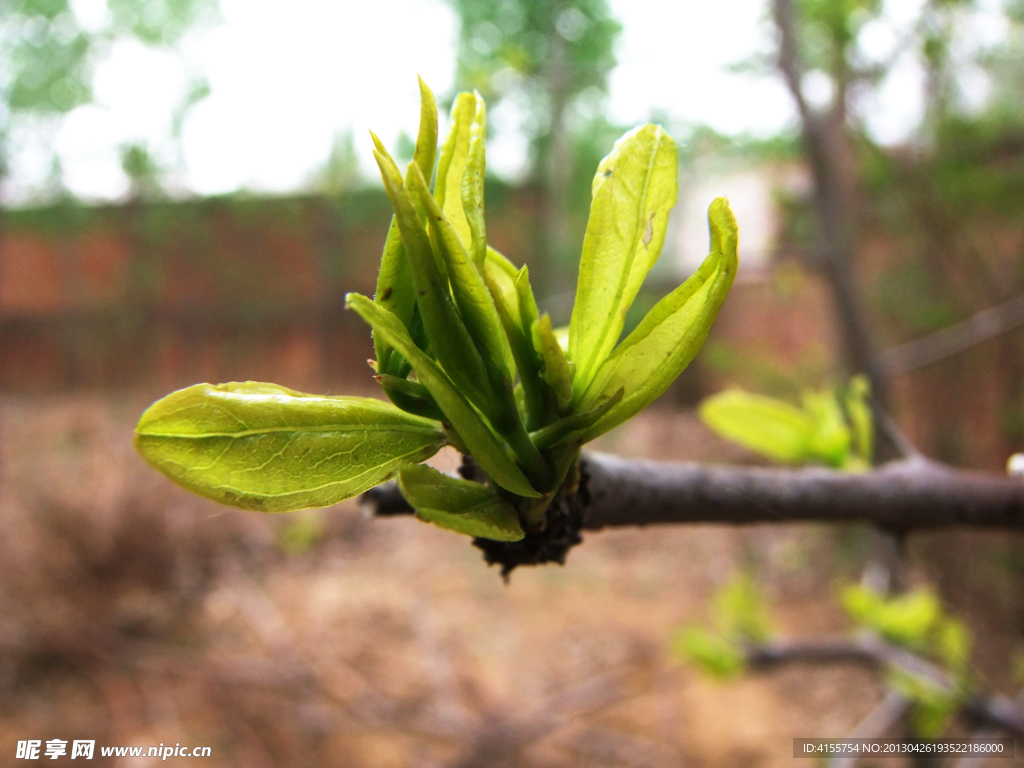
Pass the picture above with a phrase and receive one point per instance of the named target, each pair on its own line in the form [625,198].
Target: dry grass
[134,613]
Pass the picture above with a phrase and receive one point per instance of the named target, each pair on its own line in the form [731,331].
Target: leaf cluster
[463,352]
[916,621]
[739,619]
[821,430]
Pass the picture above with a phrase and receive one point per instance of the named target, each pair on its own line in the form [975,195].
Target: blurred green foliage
[834,428]
[536,51]
[916,621]
[739,618]
[47,55]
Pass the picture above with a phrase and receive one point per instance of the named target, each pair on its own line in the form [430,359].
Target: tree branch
[913,494]
[951,341]
[996,710]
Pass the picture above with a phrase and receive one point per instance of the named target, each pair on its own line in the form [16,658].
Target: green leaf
[458,505]
[503,273]
[395,290]
[830,442]
[503,282]
[633,191]
[261,446]
[571,427]
[540,403]
[716,656]
[910,619]
[953,645]
[763,424]
[933,706]
[499,276]
[473,184]
[426,139]
[485,447]
[451,165]
[862,604]
[556,371]
[448,336]
[474,301]
[657,351]
[740,610]
[411,396]
[862,422]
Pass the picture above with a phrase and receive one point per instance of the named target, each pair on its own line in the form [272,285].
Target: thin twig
[953,340]
[889,711]
[995,711]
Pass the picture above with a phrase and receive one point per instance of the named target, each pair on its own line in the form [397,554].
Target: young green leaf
[830,442]
[657,351]
[487,450]
[451,165]
[717,656]
[458,505]
[395,290]
[633,191]
[264,447]
[449,338]
[473,184]
[556,371]
[763,424]
[572,427]
[426,139]
[411,396]
[468,289]
[740,610]
[862,423]
[395,293]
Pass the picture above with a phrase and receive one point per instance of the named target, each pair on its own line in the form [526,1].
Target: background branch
[951,341]
[995,711]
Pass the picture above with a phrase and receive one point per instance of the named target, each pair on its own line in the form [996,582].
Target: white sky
[288,78]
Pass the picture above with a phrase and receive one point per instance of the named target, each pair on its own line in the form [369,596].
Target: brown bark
[910,495]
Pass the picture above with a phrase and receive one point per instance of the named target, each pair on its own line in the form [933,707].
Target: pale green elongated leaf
[458,505]
[862,422]
[633,191]
[528,313]
[469,291]
[261,446]
[448,336]
[557,372]
[426,140]
[395,290]
[569,428]
[763,424]
[451,165]
[831,440]
[485,447]
[473,184]
[541,398]
[500,277]
[657,351]
[499,263]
